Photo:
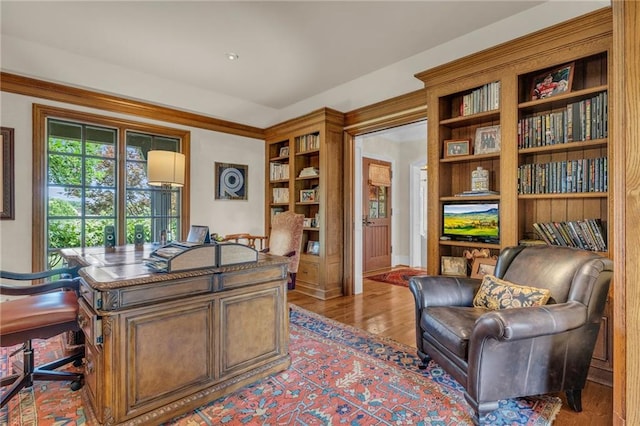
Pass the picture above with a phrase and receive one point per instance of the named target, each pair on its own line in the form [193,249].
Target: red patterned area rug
[398,276]
[339,375]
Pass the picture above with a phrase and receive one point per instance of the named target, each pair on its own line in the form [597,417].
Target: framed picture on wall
[7,185]
[231,181]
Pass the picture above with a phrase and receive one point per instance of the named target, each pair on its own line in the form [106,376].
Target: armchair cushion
[451,326]
[495,293]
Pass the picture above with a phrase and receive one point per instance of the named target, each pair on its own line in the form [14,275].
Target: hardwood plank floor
[388,310]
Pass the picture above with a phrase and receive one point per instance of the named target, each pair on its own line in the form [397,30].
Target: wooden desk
[159,345]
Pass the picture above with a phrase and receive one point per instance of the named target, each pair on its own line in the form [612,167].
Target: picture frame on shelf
[454,266]
[483,266]
[284,151]
[457,147]
[307,195]
[487,140]
[553,82]
[313,247]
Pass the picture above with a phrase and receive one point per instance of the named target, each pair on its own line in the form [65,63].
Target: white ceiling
[288,51]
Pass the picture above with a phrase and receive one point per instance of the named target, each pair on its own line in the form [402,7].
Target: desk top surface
[124,266]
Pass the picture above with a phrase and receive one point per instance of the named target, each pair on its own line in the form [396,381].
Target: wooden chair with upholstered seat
[285,239]
[47,310]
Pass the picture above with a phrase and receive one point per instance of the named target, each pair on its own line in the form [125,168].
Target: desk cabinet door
[253,329]
[169,353]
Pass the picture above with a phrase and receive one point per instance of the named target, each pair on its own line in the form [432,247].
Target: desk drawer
[308,272]
[90,323]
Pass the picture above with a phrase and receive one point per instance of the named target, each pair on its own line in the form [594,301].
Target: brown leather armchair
[48,309]
[509,353]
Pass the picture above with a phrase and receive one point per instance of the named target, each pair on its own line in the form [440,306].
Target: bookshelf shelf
[574,195]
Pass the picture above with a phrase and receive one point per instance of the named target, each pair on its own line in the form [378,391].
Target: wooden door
[376,211]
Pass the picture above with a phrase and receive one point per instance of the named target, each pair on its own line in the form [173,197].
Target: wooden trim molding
[57,92]
[626,139]
[587,29]
[402,109]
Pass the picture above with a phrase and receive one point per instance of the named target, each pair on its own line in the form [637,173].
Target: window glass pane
[64,202]
[138,203]
[65,170]
[100,202]
[68,146]
[136,175]
[64,130]
[64,233]
[382,202]
[138,145]
[100,172]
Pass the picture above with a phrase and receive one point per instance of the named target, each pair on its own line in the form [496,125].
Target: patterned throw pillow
[495,293]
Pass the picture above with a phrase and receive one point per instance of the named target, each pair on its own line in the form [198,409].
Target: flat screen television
[465,221]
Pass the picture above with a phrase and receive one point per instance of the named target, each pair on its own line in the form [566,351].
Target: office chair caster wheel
[76,385]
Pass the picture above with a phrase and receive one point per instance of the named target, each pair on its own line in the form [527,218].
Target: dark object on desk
[522,351]
[109,237]
[50,309]
[286,240]
[177,256]
[138,237]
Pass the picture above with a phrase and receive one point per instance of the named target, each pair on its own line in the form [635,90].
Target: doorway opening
[405,149]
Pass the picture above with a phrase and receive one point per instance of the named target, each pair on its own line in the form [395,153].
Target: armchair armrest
[523,323]
[27,290]
[437,290]
[69,272]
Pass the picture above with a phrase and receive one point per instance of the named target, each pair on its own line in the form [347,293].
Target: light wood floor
[388,310]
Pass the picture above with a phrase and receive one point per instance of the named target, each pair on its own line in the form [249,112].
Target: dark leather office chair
[285,239]
[521,351]
[49,309]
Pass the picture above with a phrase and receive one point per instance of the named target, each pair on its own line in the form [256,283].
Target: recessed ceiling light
[232,56]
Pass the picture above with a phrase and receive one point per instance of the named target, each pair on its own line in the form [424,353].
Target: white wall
[223,217]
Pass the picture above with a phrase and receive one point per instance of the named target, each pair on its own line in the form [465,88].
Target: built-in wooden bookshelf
[552,165]
[304,174]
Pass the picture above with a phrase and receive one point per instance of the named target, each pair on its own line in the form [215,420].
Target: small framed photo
[313,247]
[456,266]
[456,147]
[284,151]
[483,266]
[552,82]
[487,140]
[307,195]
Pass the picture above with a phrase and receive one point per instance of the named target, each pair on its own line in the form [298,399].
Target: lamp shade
[165,168]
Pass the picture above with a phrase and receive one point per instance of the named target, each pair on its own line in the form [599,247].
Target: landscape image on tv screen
[471,221]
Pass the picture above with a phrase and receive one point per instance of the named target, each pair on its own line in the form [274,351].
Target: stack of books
[585,234]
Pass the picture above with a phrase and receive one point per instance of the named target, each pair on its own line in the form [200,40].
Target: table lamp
[166,170]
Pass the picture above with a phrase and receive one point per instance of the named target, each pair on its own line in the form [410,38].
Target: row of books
[278,171]
[567,176]
[485,98]
[585,234]
[280,195]
[579,121]
[308,142]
